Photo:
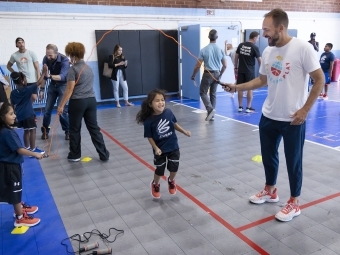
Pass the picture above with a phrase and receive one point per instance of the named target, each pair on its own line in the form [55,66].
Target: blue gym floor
[78,197]
[323,121]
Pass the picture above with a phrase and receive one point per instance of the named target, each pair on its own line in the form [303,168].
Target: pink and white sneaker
[289,211]
[265,196]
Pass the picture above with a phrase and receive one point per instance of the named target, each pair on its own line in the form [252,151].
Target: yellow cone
[86,159]
[257,158]
[19,230]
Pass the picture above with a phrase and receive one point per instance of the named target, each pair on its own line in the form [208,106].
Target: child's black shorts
[10,183]
[171,159]
[28,123]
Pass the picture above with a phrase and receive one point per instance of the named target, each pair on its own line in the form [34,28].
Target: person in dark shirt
[118,62]
[313,42]
[21,99]
[246,54]
[57,66]
[326,62]
[159,127]
[11,151]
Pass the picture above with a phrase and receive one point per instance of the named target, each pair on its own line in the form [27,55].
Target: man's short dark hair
[329,45]
[253,35]
[279,17]
[18,39]
[213,35]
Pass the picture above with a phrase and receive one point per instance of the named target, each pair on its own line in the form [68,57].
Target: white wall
[58,25]
[39,29]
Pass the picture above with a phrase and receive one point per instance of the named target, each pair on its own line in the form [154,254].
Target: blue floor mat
[44,238]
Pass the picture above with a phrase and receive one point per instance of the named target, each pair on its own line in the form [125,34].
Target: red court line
[193,199]
[309,204]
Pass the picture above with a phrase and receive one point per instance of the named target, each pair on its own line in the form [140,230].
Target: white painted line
[199,111]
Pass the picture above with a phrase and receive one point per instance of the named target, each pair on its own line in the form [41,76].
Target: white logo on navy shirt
[163,127]
[16,184]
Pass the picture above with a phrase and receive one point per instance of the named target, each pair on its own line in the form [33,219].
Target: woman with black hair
[118,63]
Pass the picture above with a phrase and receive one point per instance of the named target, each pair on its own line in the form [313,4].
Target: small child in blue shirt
[21,99]
[11,151]
[159,127]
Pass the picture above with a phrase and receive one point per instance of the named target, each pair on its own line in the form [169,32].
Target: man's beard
[273,40]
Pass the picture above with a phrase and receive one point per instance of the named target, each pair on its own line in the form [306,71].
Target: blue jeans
[271,133]
[55,92]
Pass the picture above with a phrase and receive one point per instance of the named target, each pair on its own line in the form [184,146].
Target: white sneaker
[288,212]
[264,196]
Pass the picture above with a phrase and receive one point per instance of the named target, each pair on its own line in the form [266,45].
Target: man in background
[27,63]
[313,42]
[212,57]
[57,65]
[246,54]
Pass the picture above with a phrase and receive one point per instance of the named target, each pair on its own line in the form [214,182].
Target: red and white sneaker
[28,208]
[289,211]
[321,96]
[26,220]
[265,196]
[325,97]
[172,186]
[155,190]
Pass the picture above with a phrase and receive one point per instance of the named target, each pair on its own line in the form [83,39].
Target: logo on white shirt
[278,70]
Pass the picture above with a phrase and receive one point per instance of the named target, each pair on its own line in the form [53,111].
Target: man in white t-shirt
[27,63]
[285,68]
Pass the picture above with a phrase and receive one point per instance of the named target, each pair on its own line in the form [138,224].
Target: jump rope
[54,126]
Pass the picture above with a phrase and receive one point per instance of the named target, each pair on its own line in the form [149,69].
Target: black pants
[85,108]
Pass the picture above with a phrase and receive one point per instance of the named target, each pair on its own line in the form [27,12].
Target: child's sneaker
[289,211]
[172,186]
[28,209]
[321,96]
[155,190]
[264,196]
[325,97]
[249,109]
[26,220]
[36,150]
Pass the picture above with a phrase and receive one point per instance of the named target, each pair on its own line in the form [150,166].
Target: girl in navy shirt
[11,151]
[159,127]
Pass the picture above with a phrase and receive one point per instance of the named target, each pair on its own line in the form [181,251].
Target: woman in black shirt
[118,62]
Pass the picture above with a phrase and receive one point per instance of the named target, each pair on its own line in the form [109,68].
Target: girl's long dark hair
[18,78]
[115,49]
[4,109]
[146,110]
